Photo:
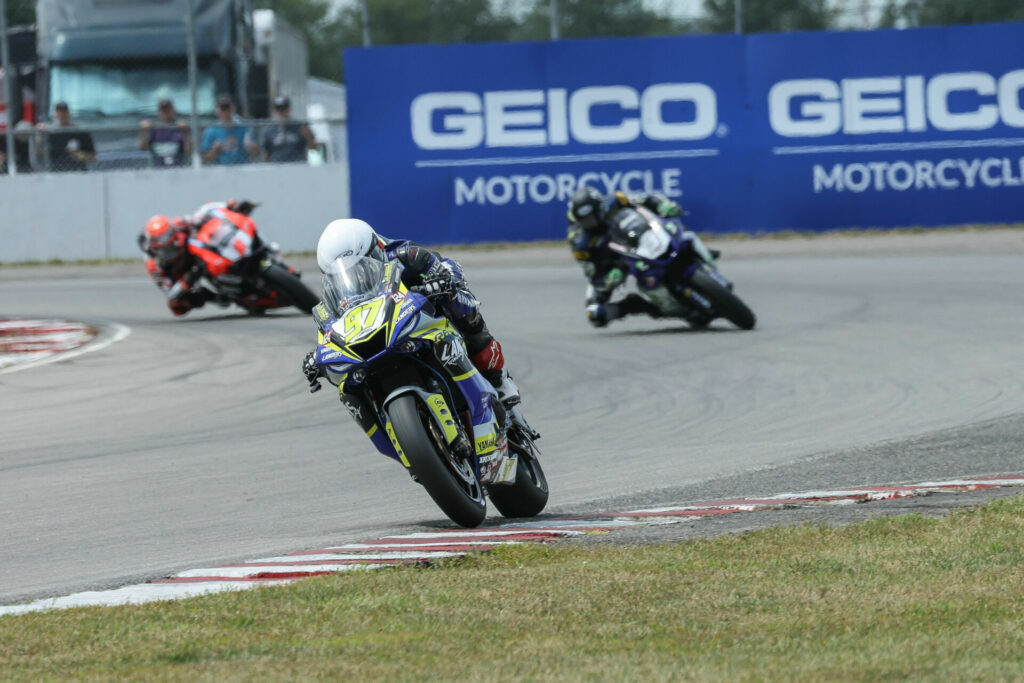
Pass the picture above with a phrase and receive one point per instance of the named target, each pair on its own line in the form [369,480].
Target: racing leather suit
[175,277]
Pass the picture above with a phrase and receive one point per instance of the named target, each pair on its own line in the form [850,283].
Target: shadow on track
[710,329]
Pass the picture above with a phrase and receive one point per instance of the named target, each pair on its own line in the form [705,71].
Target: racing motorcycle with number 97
[444,422]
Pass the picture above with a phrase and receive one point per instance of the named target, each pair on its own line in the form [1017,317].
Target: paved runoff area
[426,547]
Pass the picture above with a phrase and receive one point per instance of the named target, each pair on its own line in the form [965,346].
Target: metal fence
[63,146]
[80,98]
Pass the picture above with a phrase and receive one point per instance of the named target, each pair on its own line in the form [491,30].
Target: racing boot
[597,314]
[491,364]
[508,392]
[631,304]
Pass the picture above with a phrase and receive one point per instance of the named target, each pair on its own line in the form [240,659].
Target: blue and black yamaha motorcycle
[674,269]
[442,420]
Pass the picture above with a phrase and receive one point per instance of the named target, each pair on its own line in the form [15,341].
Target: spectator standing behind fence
[227,142]
[21,153]
[286,140]
[68,148]
[168,140]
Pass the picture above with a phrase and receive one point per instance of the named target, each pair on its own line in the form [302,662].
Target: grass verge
[893,598]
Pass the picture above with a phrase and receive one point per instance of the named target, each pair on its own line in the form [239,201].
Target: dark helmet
[586,208]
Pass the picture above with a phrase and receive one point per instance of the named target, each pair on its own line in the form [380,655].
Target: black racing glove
[437,286]
[312,372]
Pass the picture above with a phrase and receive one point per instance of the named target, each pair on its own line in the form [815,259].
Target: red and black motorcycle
[238,267]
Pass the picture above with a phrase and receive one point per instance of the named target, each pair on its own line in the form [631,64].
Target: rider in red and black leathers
[589,212]
[170,263]
[182,250]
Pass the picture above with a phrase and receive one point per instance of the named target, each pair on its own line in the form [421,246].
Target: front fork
[699,247]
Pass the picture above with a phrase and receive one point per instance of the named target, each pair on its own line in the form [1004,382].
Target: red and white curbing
[27,342]
[426,547]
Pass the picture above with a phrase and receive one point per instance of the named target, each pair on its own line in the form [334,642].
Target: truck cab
[112,61]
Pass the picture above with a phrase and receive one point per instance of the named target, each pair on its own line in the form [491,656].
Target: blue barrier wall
[807,131]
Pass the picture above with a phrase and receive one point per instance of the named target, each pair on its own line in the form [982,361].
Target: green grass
[891,599]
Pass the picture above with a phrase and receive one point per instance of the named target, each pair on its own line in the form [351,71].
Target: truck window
[97,90]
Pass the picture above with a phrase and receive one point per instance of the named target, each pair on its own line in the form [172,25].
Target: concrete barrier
[73,216]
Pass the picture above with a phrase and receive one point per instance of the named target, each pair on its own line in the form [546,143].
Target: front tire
[724,302]
[291,287]
[450,481]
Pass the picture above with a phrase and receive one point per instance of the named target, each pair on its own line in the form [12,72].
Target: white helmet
[348,239]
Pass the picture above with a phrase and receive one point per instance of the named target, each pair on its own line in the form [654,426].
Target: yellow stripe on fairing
[465,376]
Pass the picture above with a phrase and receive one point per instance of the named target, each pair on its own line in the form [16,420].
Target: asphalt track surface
[877,359]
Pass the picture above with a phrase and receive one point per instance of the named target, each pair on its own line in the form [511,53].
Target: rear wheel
[291,287]
[449,480]
[528,494]
[725,303]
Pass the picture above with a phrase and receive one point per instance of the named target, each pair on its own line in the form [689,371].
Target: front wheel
[291,287]
[723,301]
[449,480]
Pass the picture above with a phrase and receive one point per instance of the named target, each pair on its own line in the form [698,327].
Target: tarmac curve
[876,360]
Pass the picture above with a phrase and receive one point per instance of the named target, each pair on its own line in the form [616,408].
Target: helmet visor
[167,250]
[347,285]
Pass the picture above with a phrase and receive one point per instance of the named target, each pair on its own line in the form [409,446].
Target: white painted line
[568,524]
[482,533]
[841,495]
[824,494]
[1009,481]
[134,595]
[709,507]
[253,570]
[411,555]
[380,546]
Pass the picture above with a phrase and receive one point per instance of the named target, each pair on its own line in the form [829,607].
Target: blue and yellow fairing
[387,323]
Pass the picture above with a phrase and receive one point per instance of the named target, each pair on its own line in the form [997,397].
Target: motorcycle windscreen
[642,232]
[346,285]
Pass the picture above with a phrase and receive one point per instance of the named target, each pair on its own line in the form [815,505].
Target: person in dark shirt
[285,140]
[168,140]
[67,147]
[20,148]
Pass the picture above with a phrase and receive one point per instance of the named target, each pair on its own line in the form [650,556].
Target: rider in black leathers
[589,212]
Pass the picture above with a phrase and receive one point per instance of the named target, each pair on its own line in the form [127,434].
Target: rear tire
[291,287]
[528,494]
[725,303]
[451,482]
